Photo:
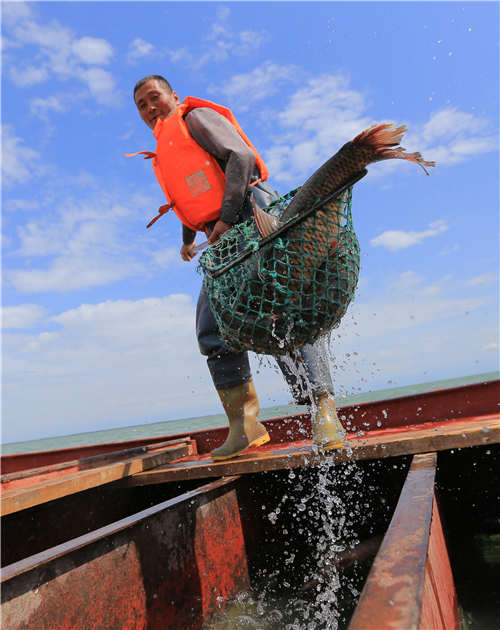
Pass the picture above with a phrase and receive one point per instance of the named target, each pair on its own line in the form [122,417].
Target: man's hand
[185,252]
[219,228]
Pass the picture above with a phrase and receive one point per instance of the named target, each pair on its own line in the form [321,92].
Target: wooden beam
[378,444]
[25,477]
[42,491]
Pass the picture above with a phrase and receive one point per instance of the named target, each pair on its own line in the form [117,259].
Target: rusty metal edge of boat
[410,584]
[10,571]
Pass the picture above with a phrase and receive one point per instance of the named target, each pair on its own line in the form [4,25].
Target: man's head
[155,99]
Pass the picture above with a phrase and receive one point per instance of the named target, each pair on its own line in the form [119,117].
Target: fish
[319,233]
[378,142]
[306,276]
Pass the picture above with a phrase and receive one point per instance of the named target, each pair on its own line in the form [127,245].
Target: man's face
[154,101]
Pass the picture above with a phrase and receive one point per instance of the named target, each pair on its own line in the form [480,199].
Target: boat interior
[410,538]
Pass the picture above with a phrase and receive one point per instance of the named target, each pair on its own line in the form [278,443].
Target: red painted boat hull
[174,555]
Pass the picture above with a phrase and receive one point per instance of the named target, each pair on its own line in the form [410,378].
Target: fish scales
[319,232]
[299,285]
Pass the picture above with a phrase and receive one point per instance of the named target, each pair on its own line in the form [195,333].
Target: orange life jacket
[191,178]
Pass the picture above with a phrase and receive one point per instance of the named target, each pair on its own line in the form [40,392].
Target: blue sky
[98,312]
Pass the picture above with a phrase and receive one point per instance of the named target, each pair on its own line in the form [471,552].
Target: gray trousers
[306,370]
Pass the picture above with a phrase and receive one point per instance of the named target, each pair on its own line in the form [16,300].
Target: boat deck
[422,438]
[180,460]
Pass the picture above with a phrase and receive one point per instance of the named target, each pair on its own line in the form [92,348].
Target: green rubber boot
[327,430]
[242,408]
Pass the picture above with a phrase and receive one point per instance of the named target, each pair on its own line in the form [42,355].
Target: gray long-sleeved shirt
[214,133]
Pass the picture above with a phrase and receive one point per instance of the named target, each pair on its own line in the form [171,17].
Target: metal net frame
[272,295]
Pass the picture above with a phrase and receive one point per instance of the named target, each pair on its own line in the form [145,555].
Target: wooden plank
[41,492]
[25,477]
[379,444]
[393,592]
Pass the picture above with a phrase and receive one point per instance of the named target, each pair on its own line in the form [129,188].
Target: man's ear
[176,98]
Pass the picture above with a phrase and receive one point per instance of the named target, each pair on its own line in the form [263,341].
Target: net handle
[318,204]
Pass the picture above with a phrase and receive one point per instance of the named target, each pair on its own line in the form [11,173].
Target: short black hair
[156,77]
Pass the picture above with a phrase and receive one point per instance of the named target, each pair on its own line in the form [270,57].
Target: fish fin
[384,140]
[266,223]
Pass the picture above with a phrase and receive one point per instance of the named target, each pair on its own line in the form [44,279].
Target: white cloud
[19,162]
[410,301]
[319,118]
[40,106]
[165,257]
[14,205]
[92,50]
[327,111]
[243,90]
[451,136]
[394,240]
[59,54]
[483,279]
[68,273]
[30,75]
[101,85]
[85,242]
[116,362]
[490,346]
[23,316]
[13,12]
[221,42]
[140,48]
[448,123]
[54,43]
[459,150]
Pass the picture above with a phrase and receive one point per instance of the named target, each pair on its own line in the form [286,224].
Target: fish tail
[384,140]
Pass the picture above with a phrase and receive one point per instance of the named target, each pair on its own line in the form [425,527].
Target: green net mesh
[274,294]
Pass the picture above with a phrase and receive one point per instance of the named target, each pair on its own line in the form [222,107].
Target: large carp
[299,284]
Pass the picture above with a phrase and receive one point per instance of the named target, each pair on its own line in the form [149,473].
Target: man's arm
[214,133]
[188,238]
[188,235]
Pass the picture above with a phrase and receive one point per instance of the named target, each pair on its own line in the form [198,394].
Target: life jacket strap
[161,210]
[148,154]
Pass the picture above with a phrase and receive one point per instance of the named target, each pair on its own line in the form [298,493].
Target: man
[206,166]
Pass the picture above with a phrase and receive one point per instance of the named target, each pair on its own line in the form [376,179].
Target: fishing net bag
[274,294]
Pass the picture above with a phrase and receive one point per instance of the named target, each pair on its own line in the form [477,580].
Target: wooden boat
[153,534]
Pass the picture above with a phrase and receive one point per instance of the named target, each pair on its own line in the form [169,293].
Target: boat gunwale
[32,562]
[206,439]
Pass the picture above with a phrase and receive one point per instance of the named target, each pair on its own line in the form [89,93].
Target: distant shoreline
[168,427]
